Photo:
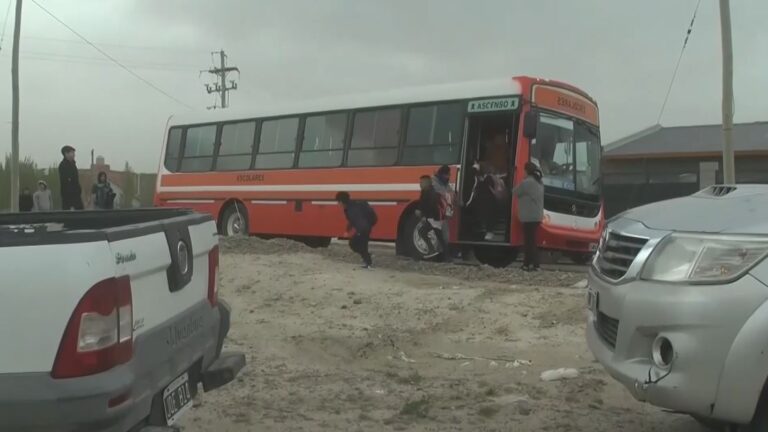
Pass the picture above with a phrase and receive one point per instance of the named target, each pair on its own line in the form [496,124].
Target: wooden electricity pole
[15,112]
[729,166]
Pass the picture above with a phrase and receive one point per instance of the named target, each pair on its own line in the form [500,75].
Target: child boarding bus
[274,171]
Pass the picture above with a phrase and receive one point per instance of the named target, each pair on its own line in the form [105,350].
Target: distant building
[661,163]
[142,185]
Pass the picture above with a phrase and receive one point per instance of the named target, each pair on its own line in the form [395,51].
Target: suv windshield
[568,153]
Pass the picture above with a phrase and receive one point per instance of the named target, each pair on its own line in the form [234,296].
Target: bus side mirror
[530,123]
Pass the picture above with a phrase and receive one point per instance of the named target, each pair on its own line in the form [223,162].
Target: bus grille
[617,254]
[607,328]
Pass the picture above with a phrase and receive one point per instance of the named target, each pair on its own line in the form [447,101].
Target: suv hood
[741,209]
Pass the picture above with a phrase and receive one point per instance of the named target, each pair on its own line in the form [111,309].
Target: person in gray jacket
[530,197]
[43,201]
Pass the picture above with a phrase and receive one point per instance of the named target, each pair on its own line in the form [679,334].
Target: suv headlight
[704,258]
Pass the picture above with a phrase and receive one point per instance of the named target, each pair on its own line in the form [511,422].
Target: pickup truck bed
[109,320]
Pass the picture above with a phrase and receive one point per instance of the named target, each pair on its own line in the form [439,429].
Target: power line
[63,56]
[5,23]
[140,47]
[102,62]
[677,66]
[112,59]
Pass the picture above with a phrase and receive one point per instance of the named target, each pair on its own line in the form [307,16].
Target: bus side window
[323,143]
[434,136]
[172,149]
[198,149]
[277,145]
[236,146]
[375,137]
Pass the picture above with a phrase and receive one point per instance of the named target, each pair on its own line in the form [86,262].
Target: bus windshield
[568,153]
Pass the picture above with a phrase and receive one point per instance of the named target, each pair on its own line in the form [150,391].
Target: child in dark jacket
[362,218]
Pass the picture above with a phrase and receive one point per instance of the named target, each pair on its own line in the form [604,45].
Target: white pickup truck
[109,321]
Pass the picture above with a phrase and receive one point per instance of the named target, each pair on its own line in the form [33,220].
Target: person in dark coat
[26,203]
[362,218]
[429,210]
[102,194]
[71,192]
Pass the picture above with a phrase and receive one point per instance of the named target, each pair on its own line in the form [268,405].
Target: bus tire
[412,243]
[317,242]
[234,221]
[495,256]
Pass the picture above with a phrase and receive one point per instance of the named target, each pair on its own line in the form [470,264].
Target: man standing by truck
[71,192]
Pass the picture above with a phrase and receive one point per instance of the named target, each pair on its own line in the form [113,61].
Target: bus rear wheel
[413,244]
[495,256]
[234,221]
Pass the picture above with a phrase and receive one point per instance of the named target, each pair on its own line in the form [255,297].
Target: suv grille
[617,254]
[607,328]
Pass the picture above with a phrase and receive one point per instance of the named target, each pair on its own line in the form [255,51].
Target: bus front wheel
[234,221]
[495,256]
[580,258]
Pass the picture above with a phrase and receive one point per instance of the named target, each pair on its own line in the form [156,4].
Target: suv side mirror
[530,124]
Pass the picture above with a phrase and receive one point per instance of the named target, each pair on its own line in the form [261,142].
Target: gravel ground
[408,346]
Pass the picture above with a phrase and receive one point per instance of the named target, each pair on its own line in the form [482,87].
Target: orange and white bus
[275,170]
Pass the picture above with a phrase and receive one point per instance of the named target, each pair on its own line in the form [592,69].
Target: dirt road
[408,347]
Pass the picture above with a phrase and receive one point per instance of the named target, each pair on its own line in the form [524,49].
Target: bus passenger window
[435,134]
[236,146]
[277,145]
[375,137]
[323,144]
[198,149]
[172,149]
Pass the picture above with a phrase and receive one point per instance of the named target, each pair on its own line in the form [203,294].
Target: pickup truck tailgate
[41,287]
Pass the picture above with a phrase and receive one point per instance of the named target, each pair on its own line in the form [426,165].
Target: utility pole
[220,72]
[729,166]
[15,112]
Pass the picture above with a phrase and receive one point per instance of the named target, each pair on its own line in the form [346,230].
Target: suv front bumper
[701,322]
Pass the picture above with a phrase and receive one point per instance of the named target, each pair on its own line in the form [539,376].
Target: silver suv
[677,304]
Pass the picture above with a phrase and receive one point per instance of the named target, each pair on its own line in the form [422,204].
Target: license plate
[177,399]
[592,299]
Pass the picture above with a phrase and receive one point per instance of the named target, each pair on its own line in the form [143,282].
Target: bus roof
[407,95]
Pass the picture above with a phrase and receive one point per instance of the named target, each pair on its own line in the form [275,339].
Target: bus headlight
[704,258]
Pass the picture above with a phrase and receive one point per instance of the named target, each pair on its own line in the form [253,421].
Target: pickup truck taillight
[99,335]
[213,275]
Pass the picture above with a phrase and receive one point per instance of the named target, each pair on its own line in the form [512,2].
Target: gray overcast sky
[621,52]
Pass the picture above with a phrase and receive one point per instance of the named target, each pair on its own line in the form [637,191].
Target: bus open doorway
[485,189]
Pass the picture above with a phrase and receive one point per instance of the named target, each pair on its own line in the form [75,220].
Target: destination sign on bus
[566,102]
[488,105]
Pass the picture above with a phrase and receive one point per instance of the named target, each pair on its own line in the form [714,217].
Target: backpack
[371,213]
